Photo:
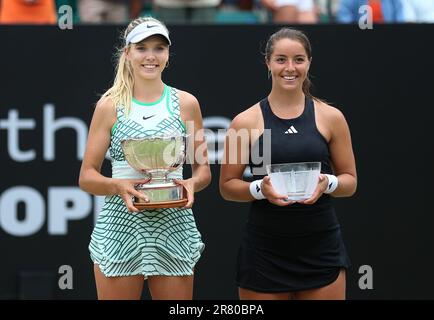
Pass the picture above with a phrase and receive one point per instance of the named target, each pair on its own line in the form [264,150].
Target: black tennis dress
[296,247]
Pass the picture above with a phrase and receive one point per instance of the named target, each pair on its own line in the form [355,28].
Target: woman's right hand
[272,196]
[125,189]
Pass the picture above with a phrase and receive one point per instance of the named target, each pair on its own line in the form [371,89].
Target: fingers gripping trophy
[156,157]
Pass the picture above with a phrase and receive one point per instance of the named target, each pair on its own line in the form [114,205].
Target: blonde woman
[128,245]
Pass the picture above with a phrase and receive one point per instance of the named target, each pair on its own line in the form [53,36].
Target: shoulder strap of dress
[120,113]
[173,101]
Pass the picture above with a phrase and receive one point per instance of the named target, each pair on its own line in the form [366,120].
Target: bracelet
[255,189]
[332,184]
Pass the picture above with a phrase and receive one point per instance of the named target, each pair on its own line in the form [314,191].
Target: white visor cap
[145,30]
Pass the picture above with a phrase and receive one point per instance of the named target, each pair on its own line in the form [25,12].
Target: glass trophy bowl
[296,180]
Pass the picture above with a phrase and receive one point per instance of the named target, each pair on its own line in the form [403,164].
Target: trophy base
[166,195]
[160,205]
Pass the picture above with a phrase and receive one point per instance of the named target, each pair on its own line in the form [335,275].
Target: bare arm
[201,174]
[232,186]
[91,180]
[332,124]
[342,156]
[235,159]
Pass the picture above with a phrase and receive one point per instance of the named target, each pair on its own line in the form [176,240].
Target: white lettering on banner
[51,126]
[215,140]
[64,204]
[13,125]
[59,210]
[215,154]
[34,217]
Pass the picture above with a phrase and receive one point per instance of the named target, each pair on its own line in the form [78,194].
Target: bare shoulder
[187,100]
[106,105]
[329,113]
[105,112]
[248,119]
[189,106]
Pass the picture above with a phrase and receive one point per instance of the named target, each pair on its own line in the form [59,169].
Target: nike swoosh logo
[146,118]
[148,26]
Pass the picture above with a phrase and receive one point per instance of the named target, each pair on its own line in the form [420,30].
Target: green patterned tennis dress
[150,242]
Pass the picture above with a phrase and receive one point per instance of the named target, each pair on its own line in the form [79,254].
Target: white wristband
[255,189]
[332,184]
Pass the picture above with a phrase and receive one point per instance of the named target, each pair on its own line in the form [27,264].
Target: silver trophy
[156,157]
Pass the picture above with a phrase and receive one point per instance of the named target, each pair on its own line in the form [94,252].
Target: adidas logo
[291,130]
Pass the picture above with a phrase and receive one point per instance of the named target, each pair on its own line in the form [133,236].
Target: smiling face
[149,57]
[289,64]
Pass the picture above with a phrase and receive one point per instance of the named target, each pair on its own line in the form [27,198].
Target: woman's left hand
[189,187]
[320,188]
